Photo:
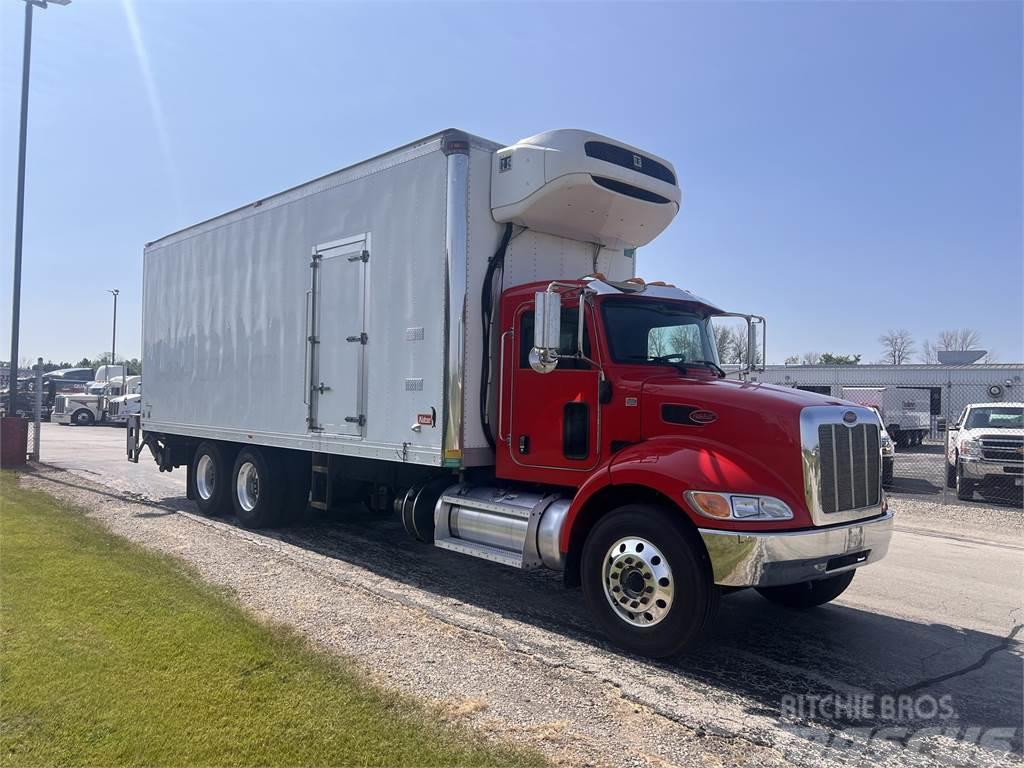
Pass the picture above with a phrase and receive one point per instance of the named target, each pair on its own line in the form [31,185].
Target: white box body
[229,306]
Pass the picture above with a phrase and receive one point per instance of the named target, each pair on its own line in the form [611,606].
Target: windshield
[995,418]
[647,331]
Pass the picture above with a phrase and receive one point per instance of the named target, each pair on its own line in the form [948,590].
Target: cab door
[555,419]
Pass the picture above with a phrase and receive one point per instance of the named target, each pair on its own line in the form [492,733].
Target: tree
[811,358]
[898,346]
[959,340]
[724,343]
[829,359]
[954,340]
[793,360]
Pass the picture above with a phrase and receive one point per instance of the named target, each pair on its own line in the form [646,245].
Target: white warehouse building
[952,387]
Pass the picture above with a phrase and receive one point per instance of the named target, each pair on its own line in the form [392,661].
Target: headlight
[971,449]
[738,506]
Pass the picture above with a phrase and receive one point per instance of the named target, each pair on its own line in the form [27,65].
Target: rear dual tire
[210,481]
[260,486]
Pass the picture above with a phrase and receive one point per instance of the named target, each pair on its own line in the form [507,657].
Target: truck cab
[120,407]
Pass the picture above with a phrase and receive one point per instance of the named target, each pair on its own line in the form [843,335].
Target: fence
[936,455]
[33,401]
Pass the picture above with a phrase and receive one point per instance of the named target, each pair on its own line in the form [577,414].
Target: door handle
[322,388]
[305,356]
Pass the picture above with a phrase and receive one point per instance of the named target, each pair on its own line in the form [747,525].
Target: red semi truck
[454,331]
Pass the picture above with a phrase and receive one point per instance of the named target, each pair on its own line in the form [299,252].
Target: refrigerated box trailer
[455,330]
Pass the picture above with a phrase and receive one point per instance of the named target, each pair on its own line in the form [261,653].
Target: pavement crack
[981,662]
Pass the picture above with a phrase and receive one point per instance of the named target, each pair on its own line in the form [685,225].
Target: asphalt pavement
[920,660]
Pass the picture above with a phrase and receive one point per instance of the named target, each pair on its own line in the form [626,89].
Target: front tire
[82,418]
[808,594]
[257,489]
[647,580]
[964,487]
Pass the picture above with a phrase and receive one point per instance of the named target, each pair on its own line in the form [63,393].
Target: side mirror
[547,331]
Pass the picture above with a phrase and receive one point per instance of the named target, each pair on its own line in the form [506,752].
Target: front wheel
[964,487]
[82,418]
[647,580]
[808,594]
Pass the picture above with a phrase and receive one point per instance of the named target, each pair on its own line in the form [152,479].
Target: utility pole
[113,338]
[26,60]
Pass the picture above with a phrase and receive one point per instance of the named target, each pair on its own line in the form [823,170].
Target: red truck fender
[669,466]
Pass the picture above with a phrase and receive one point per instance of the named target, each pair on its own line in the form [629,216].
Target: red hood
[755,423]
[752,400]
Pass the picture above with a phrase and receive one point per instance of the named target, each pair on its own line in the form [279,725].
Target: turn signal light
[738,506]
[710,504]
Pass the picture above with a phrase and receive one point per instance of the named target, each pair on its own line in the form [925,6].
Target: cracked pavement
[918,663]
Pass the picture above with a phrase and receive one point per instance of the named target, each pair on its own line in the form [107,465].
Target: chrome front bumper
[789,557]
[982,469]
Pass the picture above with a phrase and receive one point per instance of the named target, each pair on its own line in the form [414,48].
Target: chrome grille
[59,404]
[113,408]
[996,448]
[850,460]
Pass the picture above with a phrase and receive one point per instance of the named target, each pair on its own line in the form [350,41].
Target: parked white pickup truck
[986,445]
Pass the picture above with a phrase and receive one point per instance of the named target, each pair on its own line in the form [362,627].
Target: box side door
[336,344]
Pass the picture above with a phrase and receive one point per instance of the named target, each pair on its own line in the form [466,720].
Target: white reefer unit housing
[341,316]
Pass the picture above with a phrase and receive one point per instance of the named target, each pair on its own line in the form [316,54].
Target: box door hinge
[360,420]
[362,338]
[363,256]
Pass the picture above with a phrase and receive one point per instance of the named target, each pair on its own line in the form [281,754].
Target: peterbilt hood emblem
[703,416]
[849,417]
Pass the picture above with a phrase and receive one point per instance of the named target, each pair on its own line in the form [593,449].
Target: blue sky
[846,168]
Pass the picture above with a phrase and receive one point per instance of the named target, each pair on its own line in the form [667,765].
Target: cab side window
[566,342]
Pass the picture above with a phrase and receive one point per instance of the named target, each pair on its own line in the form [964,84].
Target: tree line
[899,348]
[133,367]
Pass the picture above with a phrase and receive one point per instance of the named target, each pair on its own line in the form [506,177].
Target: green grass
[112,655]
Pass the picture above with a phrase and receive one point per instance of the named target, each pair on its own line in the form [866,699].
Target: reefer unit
[341,316]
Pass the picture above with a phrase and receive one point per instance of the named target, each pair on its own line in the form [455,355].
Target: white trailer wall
[225,308]
[224,321]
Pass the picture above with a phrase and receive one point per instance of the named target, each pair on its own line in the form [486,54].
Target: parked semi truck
[86,408]
[906,411]
[455,331]
[118,408]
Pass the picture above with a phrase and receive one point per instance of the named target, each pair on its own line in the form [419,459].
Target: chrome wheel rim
[248,486]
[638,582]
[206,477]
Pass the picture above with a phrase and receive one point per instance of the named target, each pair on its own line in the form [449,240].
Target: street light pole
[26,60]
[113,338]
[19,221]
